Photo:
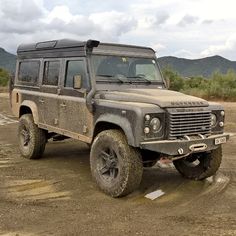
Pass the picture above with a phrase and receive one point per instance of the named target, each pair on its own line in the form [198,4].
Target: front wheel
[115,166]
[32,140]
[199,166]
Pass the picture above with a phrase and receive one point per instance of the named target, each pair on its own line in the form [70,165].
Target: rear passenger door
[48,99]
[74,116]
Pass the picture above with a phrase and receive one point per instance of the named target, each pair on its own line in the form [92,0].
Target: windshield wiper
[105,75]
[140,79]
[115,80]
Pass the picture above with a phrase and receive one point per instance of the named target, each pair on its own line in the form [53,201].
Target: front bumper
[184,147]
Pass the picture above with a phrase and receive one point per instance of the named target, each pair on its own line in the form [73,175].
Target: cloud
[207,22]
[183,53]
[158,47]
[21,11]
[161,18]
[113,24]
[30,18]
[228,46]
[60,19]
[161,24]
[187,20]
[20,17]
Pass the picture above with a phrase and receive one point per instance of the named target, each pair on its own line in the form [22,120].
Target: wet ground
[56,195]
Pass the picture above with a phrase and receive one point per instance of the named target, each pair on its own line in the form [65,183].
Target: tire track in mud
[5,120]
[16,233]
[33,190]
[13,188]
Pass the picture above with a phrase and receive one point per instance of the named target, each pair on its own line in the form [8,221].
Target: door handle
[41,101]
[63,105]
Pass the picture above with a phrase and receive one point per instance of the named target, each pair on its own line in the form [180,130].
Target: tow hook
[198,147]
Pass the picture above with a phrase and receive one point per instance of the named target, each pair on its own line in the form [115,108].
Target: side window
[28,72]
[75,68]
[51,73]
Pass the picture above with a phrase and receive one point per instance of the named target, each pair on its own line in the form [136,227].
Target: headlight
[213,119]
[155,125]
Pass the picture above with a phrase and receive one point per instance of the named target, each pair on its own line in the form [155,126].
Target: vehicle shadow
[73,155]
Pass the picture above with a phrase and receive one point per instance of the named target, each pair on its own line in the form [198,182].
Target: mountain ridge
[183,66]
[197,67]
[7,60]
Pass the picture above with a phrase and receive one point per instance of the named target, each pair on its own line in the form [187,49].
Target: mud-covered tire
[116,167]
[208,164]
[32,139]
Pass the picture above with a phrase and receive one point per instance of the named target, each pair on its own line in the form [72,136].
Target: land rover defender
[114,98]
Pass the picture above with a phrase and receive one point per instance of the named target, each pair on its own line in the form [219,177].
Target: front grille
[189,123]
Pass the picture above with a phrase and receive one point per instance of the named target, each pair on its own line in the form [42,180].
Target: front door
[74,116]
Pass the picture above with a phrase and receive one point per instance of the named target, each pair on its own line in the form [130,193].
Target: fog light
[222,113]
[146,130]
[221,124]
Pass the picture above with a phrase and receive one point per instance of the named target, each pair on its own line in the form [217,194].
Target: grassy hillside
[7,60]
[200,67]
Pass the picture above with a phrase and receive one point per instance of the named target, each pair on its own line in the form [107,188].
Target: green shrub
[176,82]
[4,77]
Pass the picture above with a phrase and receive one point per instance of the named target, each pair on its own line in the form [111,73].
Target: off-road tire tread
[132,160]
[39,137]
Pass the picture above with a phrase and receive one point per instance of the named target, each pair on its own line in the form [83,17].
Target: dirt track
[56,195]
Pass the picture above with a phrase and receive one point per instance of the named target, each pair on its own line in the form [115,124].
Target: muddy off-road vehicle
[113,97]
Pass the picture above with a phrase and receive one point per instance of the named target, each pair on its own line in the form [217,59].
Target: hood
[161,97]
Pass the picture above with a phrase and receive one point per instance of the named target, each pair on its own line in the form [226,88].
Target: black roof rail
[56,44]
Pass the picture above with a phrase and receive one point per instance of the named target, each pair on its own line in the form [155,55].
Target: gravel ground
[56,195]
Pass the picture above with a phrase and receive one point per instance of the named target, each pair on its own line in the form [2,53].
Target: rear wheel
[32,140]
[116,167]
[199,166]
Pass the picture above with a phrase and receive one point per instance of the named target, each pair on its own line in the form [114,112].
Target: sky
[182,28]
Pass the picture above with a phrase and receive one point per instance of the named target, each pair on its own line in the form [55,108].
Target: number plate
[220,140]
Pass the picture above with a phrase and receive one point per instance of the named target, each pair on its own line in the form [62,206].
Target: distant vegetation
[4,77]
[217,87]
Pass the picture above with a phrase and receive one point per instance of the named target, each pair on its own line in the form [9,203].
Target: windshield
[119,69]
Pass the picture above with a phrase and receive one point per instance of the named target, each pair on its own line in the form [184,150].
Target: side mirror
[77,81]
